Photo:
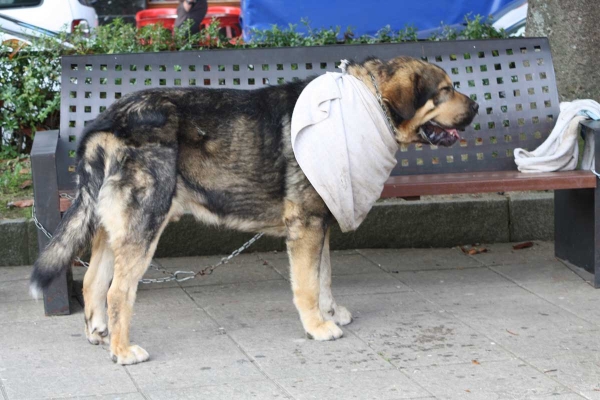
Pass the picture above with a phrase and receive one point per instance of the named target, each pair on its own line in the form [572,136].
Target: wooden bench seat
[486,182]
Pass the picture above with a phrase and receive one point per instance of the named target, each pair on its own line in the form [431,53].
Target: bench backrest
[512,79]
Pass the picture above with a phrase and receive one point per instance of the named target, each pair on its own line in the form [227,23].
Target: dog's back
[224,155]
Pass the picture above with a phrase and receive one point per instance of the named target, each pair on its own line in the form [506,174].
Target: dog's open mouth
[433,133]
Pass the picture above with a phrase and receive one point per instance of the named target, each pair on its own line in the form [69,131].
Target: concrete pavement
[428,324]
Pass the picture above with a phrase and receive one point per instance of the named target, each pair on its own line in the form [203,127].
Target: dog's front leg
[338,314]
[306,234]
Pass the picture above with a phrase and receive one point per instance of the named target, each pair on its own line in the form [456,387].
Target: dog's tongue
[453,132]
[438,129]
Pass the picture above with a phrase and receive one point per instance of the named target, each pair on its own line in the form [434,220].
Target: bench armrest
[45,182]
[591,129]
[46,198]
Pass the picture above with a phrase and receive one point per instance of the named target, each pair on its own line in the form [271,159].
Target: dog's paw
[132,355]
[338,314]
[97,335]
[327,330]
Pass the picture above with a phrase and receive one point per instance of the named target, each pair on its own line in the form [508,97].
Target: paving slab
[14,290]
[431,338]
[259,389]
[375,385]
[578,371]
[342,263]
[182,359]
[536,273]
[365,284]
[113,396]
[558,285]
[168,308]
[247,304]
[510,379]
[419,259]
[504,254]
[61,370]
[8,274]
[524,323]
[283,351]
[446,285]
[22,311]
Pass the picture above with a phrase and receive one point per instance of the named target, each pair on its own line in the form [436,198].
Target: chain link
[171,276]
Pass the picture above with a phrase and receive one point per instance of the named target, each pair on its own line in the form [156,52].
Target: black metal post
[577,220]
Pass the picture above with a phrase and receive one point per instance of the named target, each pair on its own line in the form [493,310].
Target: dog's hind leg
[306,234]
[133,243]
[134,207]
[95,287]
[131,262]
[330,309]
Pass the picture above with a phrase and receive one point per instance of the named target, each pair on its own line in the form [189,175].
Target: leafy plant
[30,74]
[477,27]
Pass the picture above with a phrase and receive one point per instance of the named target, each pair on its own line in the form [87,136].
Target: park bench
[512,80]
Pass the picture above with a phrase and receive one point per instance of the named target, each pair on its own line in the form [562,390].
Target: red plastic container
[164,16]
[228,17]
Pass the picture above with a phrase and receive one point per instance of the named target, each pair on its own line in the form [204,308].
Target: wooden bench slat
[485,182]
[481,182]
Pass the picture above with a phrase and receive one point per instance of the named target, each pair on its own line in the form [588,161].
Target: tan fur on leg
[130,265]
[305,243]
[95,288]
[331,311]
[131,262]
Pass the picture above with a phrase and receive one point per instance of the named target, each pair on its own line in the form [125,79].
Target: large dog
[226,157]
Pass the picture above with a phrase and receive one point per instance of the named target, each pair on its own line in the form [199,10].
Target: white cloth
[343,144]
[560,152]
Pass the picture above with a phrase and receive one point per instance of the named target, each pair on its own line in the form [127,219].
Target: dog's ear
[424,89]
[400,99]
[407,101]
[408,85]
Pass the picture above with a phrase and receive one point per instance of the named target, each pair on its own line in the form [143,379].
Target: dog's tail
[76,228]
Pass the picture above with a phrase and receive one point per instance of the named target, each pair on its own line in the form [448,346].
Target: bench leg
[577,229]
[45,187]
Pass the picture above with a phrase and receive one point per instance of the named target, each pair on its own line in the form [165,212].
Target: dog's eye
[448,89]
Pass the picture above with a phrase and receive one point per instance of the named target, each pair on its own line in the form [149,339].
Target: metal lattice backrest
[513,81]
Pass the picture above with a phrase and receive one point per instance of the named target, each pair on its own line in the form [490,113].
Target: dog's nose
[474,107]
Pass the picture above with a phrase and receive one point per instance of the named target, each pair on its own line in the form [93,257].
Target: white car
[49,15]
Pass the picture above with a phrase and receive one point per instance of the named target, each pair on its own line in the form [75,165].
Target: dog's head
[422,101]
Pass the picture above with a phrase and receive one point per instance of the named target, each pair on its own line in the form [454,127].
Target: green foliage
[15,184]
[290,37]
[30,75]
[29,94]
[476,28]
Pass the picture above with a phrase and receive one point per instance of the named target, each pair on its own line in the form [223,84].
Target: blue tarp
[363,16]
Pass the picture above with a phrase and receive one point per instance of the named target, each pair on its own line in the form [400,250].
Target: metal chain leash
[187,275]
[171,276]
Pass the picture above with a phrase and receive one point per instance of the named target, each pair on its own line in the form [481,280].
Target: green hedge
[30,75]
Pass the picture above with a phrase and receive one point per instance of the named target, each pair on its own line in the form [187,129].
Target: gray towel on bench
[560,152]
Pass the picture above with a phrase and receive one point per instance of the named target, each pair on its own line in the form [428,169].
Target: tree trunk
[573,27]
